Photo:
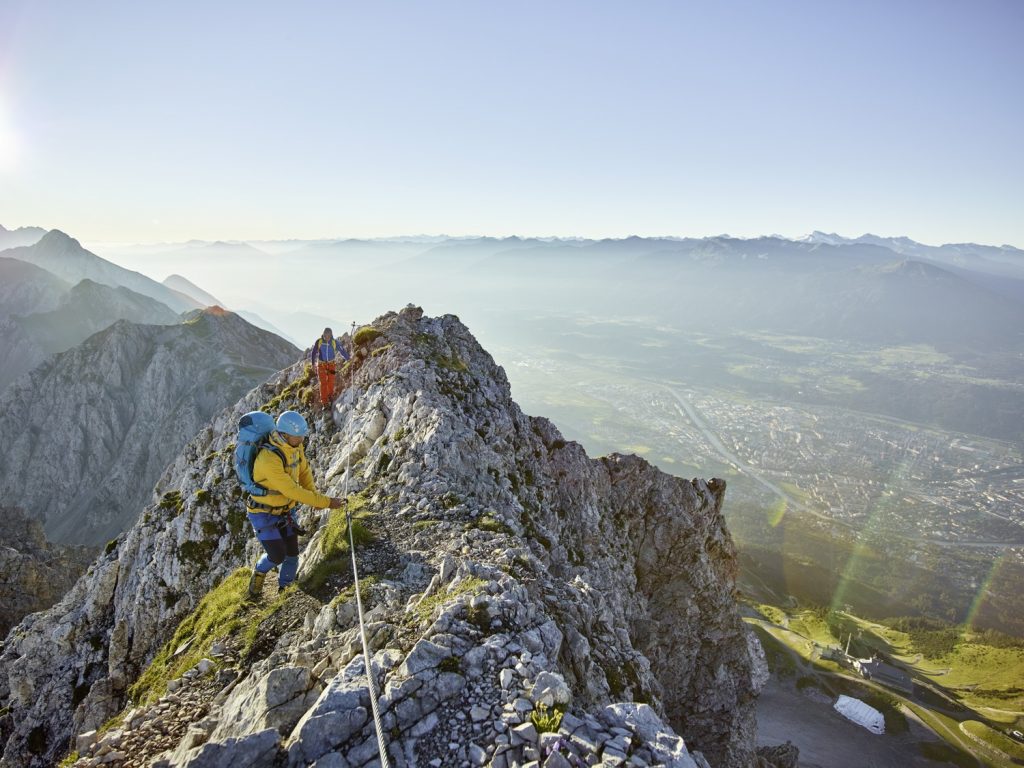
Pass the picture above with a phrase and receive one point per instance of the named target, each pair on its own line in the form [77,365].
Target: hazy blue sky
[166,121]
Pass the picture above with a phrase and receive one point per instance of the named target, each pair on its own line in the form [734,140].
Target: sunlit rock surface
[523,602]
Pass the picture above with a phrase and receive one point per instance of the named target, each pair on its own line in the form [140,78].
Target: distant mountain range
[188,288]
[65,257]
[822,283]
[13,238]
[26,288]
[104,375]
[41,314]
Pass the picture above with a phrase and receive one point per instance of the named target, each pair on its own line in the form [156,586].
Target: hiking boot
[256,584]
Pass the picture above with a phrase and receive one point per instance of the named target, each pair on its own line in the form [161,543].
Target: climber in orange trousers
[324,356]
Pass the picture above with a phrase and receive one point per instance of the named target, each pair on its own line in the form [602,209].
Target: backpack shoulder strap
[275,450]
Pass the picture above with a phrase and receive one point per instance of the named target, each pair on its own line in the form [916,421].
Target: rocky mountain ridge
[14,238]
[91,430]
[26,288]
[52,317]
[90,307]
[65,257]
[524,602]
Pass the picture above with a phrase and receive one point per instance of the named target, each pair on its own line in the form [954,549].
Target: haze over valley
[863,397]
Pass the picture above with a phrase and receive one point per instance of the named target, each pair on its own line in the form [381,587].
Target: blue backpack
[254,429]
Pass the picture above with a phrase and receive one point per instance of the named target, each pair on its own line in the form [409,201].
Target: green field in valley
[968,687]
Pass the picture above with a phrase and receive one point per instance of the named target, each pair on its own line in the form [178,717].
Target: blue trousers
[281,553]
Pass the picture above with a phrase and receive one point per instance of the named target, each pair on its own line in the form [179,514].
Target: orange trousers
[325,373]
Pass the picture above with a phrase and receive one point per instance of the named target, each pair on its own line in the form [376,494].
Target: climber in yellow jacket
[282,469]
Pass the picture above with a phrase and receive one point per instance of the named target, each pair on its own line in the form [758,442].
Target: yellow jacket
[287,483]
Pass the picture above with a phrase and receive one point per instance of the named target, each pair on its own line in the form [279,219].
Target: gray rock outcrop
[34,574]
[41,314]
[523,603]
[90,431]
[90,307]
[27,340]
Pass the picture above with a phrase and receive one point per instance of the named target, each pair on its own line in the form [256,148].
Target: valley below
[859,516]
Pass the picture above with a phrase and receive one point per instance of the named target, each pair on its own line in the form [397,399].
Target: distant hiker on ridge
[281,468]
[325,351]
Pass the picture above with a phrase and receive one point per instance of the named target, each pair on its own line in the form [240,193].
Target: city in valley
[925,518]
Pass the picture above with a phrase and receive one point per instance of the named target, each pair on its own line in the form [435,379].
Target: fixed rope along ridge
[362,629]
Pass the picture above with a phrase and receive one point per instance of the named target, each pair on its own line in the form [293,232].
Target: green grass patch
[172,501]
[771,613]
[334,543]
[994,739]
[365,335]
[471,585]
[349,592]
[546,719]
[380,350]
[814,627]
[453,363]
[942,753]
[985,676]
[420,525]
[115,722]
[488,522]
[450,664]
[224,611]
[300,389]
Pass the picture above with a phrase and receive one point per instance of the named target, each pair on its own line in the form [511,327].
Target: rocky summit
[522,604]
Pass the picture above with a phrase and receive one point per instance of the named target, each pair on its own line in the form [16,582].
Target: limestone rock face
[90,307]
[34,574]
[522,603]
[24,289]
[89,432]
[85,309]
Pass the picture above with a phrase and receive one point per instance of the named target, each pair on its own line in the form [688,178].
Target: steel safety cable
[362,627]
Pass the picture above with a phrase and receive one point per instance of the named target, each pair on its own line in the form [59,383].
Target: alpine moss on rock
[523,602]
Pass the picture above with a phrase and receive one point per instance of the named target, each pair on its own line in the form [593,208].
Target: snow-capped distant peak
[827,238]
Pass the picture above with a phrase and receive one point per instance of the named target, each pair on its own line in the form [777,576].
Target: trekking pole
[352,352]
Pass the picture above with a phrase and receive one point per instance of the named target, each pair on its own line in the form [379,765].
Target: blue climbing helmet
[292,423]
